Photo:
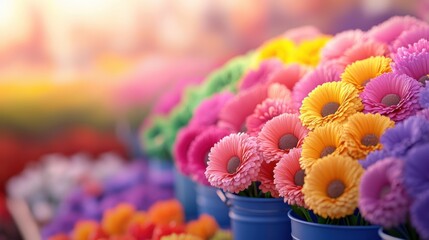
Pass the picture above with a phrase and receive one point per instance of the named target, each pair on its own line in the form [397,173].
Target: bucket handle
[221,194]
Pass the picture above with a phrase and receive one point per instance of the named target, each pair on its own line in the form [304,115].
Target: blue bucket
[209,202]
[185,191]
[258,218]
[303,230]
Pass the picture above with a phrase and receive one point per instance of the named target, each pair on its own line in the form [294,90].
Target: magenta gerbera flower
[395,96]
[198,154]
[329,72]
[383,199]
[234,163]
[280,135]
[262,74]
[339,44]
[413,61]
[207,113]
[363,50]
[266,111]
[410,37]
[289,178]
[233,115]
[419,216]
[266,178]
[289,75]
[389,30]
[183,141]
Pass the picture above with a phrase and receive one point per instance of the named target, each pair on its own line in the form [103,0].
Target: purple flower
[207,113]
[373,157]
[424,97]
[416,170]
[392,95]
[424,113]
[260,75]
[405,135]
[383,199]
[419,215]
[413,60]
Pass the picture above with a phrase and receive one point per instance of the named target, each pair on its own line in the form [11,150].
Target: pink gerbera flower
[389,30]
[299,34]
[410,37]
[207,113]
[328,72]
[261,75]
[266,178]
[279,91]
[280,135]
[184,139]
[266,111]
[234,163]
[289,178]
[383,199]
[395,96]
[198,154]
[289,75]
[233,115]
[339,44]
[413,61]
[363,50]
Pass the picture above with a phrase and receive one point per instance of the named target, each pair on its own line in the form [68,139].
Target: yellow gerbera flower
[308,52]
[323,141]
[280,48]
[361,72]
[181,236]
[362,132]
[330,102]
[331,188]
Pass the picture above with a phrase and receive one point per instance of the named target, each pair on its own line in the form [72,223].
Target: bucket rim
[253,199]
[294,218]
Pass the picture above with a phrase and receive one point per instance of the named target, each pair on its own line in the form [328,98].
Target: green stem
[255,190]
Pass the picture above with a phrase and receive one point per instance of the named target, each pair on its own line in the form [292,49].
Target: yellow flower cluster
[306,52]
[341,134]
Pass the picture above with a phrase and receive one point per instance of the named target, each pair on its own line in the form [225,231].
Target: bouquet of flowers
[313,113]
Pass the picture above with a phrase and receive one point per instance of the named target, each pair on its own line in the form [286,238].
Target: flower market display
[45,185]
[164,220]
[335,127]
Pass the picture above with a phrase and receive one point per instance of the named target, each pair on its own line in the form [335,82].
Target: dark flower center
[391,99]
[330,108]
[233,164]
[299,178]
[384,191]
[335,188]
[369,140]
[288,141]
[327,150]
[424,79]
